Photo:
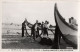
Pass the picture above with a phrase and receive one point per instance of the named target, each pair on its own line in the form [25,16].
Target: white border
[35,50]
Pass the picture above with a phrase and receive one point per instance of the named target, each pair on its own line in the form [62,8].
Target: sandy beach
[17,42]
[11,39]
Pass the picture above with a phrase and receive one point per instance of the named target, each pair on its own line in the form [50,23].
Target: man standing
[46,27]
[36,29]
[42,29]
[23,28]
[33,32]
[72,22]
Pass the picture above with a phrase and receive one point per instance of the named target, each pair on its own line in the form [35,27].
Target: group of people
[44,26]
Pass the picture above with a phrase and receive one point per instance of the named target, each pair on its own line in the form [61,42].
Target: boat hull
[69,33]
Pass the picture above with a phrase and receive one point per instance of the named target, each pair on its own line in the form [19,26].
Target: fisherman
[32,30]
[33,33]
[23,27]
[42,28]
[46,28]
[26,28]
[45,40]
[72,22]
[36,29]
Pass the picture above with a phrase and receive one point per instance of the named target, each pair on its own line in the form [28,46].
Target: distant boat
[69,33]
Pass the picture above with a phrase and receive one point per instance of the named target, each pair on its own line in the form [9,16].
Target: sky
[16,12]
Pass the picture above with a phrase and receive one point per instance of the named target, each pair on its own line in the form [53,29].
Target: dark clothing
[23,28]
[57,37]
[45,30]
[33,32]
[23,25]
[42,29]
[22,31]
[69,20]
[36,32]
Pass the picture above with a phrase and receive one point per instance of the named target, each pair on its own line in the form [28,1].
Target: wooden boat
[69,33]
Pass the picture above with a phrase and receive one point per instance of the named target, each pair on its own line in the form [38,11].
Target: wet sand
[18,42]
[11,39]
